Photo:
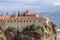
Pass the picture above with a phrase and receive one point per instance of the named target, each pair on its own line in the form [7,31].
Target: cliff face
[2,36]
[37,34]
[45,32]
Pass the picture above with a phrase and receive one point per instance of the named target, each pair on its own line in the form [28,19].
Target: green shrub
[32,27]
[10,29]
[27,28]
[42,29]
[38,27]
[46,26]
[18,31]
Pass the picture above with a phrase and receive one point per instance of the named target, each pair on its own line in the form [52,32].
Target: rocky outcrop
[9,35]
[31,32]
[53,26]
[2,36]
[37,34]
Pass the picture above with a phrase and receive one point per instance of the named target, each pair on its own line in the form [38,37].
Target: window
[24,20]
[21,21]
[17,21]
[2,23]
[27,20]
[0,27]
[30,20]
[39,20]
[11,21]
[33,20]
[8,20]
[14,20]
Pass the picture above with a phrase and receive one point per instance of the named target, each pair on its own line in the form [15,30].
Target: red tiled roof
[25,18]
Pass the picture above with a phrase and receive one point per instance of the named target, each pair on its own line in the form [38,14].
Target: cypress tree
[18,13]
[24,14]
[6,13]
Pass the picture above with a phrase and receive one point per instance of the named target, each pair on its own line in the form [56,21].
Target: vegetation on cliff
[32,32]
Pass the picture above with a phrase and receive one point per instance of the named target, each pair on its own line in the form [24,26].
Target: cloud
[36,5]
[58,29]
[18,3]
[28,1]
[57,3]
[17,6]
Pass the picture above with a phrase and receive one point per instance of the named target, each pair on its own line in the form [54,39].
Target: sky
[32,5]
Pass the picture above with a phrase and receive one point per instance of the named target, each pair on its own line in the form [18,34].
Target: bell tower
[27,12]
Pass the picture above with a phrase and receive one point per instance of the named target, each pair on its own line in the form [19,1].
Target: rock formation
[37,34]
[31,32]
[2,36]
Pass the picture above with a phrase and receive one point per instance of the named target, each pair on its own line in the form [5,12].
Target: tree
[6,13]
[18,13]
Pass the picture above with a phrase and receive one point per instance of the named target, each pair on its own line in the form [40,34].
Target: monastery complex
[21,19]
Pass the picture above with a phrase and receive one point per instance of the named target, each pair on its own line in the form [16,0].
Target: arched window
[39,20]
[0,27]
[24,20]
[2,23]
[18,21]
[8,20]
[33,20]
[11,21]
[14,20]
[30,20]
[21,21]
[27,20]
